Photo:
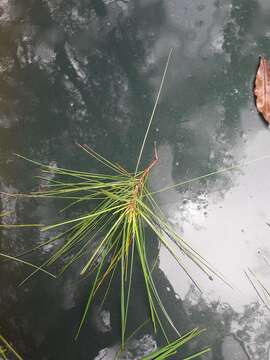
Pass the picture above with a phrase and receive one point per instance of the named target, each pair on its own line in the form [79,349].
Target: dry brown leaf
[262,89]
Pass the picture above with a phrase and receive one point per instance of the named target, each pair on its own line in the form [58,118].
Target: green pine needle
[6,348]
[172,348]
[112,232]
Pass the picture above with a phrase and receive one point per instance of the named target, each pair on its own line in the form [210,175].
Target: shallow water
[88,72]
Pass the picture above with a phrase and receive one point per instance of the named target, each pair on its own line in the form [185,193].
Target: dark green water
[88,72]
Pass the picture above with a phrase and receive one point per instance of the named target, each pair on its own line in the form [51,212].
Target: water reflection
[88,72]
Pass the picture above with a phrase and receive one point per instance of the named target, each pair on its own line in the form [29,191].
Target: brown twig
[140,182]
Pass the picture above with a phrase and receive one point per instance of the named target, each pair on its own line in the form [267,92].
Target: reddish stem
[152,164]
